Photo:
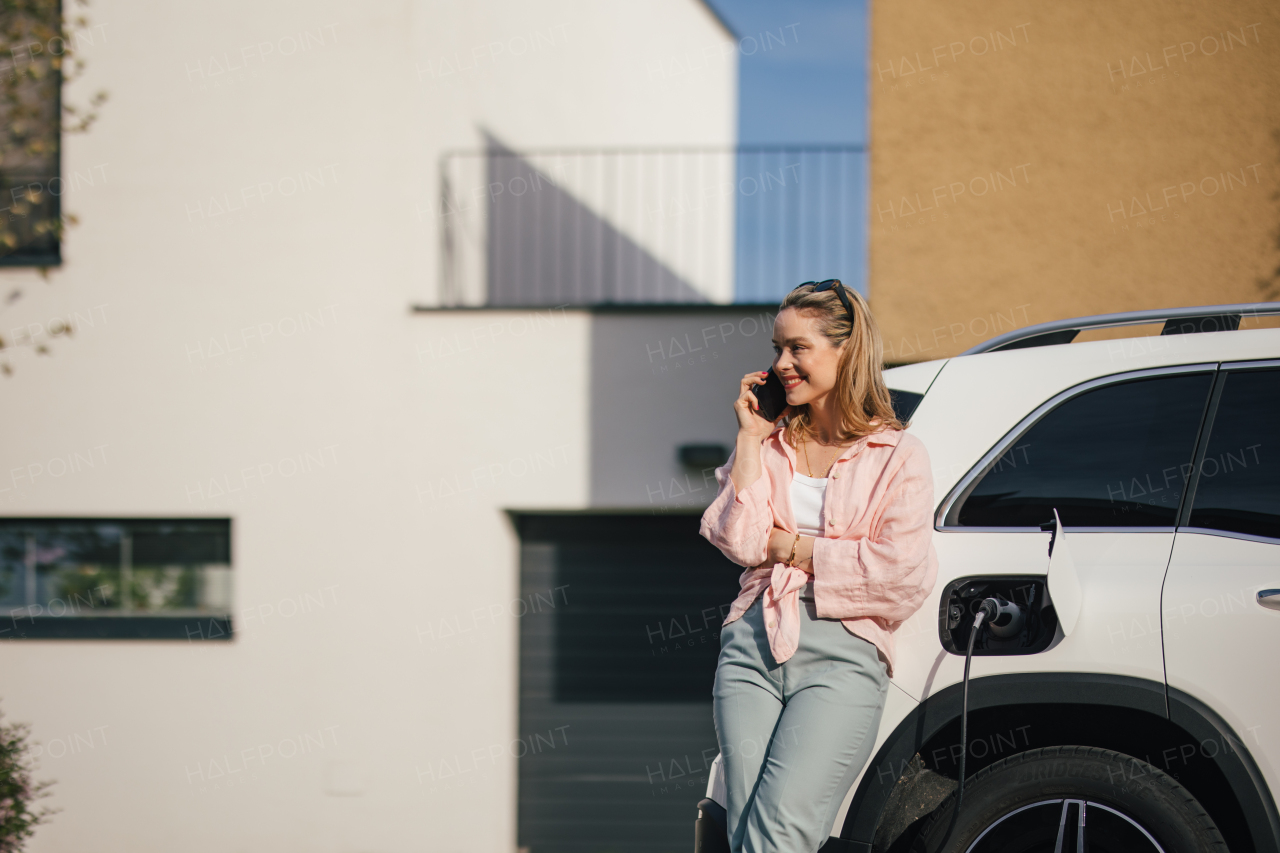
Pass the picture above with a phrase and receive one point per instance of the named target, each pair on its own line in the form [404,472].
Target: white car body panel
[974,402]
[915,378]
[1219,640]
[1119,627]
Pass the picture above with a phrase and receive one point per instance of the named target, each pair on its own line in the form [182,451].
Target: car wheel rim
[1065,826]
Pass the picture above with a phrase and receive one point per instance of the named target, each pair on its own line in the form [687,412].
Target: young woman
[830,509]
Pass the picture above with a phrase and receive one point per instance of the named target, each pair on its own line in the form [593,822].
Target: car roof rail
[1177,321]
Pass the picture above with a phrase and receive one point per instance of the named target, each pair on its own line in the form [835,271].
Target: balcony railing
[647,225]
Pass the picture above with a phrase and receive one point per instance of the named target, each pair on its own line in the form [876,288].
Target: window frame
[1225,369]
[186,624]
[24,256]
[944,519]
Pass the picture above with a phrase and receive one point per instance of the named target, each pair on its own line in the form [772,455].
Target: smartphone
[772,397]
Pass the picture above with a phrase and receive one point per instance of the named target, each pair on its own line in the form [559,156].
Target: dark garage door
[617,655]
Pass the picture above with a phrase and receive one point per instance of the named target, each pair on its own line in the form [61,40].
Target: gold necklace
[804,446]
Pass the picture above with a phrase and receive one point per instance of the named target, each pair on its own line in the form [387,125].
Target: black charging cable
[987,611]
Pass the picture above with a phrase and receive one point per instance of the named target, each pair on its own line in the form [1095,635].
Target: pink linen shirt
[874,564]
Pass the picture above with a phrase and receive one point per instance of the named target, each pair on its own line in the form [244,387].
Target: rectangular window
[115,579]
[31,137]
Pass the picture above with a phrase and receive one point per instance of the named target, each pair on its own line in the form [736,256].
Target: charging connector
[1006,619]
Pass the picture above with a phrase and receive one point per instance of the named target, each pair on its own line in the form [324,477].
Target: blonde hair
[861,396]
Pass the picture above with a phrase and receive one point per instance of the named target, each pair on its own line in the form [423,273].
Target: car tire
[1034,798]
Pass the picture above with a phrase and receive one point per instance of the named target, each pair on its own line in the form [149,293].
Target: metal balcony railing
[647,225]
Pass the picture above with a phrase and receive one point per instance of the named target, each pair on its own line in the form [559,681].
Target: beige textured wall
[1033,161]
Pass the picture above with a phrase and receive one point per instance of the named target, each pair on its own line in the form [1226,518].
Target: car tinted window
[1116,456]
[904,403]
[1239,484]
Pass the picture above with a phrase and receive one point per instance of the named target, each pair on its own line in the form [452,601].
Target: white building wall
[233,314]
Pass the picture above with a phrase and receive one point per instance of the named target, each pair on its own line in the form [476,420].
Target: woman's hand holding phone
[752,430]
[747,407]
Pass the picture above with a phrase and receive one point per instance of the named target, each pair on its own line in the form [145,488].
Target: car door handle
[1269,598]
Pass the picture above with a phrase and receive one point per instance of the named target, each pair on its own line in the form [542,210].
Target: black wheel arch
[1125,714]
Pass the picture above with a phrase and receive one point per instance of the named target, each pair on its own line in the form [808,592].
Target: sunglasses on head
[831,284]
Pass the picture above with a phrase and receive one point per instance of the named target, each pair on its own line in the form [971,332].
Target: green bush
[19,815]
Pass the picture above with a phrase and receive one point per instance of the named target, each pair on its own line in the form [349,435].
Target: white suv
[1152,724]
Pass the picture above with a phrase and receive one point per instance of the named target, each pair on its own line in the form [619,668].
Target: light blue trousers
[793,736]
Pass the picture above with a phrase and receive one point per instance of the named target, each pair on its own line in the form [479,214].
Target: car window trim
[1231,534]
[1202,447]
[961,489]
[1073,529]
[1251,365]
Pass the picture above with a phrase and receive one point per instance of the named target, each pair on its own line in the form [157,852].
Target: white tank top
[807,497]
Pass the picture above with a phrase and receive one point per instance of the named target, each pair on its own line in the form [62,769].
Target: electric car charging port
[1025,624]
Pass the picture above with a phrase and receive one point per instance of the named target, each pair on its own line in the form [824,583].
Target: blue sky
[813,88]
